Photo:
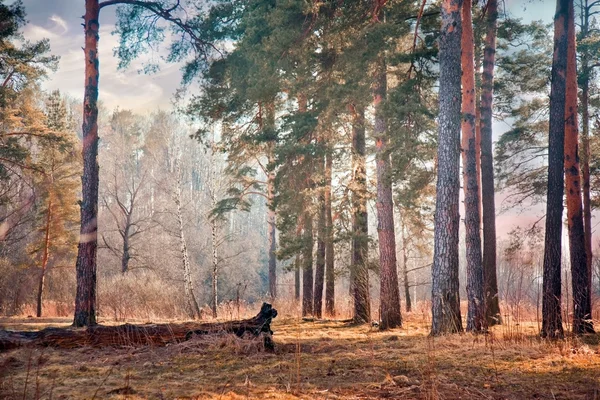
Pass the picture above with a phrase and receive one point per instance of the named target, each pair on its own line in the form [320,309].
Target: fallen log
[140,335]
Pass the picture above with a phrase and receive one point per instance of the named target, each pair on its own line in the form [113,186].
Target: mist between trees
[312,159]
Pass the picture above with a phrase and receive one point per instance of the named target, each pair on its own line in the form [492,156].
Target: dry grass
[315,360]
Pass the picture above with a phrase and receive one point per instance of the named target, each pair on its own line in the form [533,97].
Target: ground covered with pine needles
[313,360]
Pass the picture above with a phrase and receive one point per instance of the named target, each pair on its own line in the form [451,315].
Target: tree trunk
[45,255]
[329,250]
[551,301]
[390,315]
[126,248]
[213,231]
[407,299]
[297,278]
[140,335]
[359,272]
[585,141]
[215,268]
[307,268]
[446,317]
[492,304]
[271,232]
[320,265]
[475,313]
[193,308]
[582,303]
[85,298]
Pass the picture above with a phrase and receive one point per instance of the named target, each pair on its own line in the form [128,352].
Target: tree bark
[321,238]
[193,308]
[45,256]
[329,250]
[297,264]
[359,272]
[139,335]
[390,315]
[551,300]
[492,304]
[126,247]
[215,268]
[582,302]
[475,313]
[407,299]
[307,268]
[446,317]
[272,234]
[85,298]
[585,139]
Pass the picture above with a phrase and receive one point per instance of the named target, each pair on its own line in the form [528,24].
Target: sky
[60,21]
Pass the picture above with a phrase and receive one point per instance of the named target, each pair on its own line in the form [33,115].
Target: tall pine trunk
[85,298]
[475,320]
[492,304]
[582,302]
[321,237]
[390,315]
[446,317]
[359,272]
[551,299]
[585,140]
[329,250]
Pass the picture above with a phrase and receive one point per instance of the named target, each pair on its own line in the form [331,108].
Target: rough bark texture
[475,299]
[139,335]
[390,315]
[445,307]
[85,298]
[551,299]
[359,272]
[492,304]
[307,267]
[329,251]
[320,264]
[582,302]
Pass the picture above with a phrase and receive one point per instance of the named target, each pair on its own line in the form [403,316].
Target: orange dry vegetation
[315,360]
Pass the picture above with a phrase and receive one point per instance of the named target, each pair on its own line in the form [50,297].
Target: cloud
[58,21]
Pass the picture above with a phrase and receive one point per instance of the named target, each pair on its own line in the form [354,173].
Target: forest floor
[312,360]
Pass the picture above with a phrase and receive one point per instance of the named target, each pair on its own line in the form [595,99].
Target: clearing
[312,360]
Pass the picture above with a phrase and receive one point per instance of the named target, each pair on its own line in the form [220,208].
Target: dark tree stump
[140,335]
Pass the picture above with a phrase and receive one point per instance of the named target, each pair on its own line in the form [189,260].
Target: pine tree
[551,307]
[58,188]
[492,303]
[475,313]
[446,317]
[582,299]
[389,292]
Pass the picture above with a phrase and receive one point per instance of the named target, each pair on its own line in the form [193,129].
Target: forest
[285,199]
